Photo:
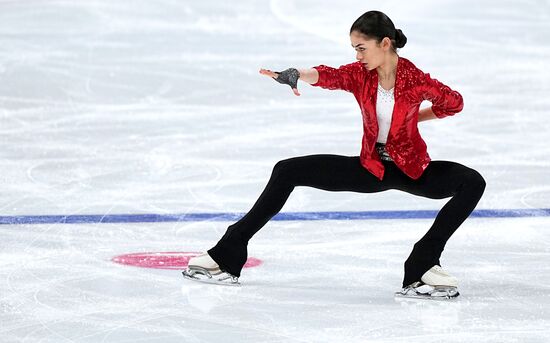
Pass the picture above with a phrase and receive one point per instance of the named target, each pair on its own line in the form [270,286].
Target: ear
[386,43]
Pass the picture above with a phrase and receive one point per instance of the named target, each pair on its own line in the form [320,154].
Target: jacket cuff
[453,104]
[321,72]
[439,112]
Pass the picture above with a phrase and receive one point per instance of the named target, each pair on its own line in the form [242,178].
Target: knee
[282,169]
[284,166]
[475,181]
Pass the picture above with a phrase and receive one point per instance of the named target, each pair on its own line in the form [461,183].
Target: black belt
[382,152]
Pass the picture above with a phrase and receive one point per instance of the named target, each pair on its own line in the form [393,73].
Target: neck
[388,69]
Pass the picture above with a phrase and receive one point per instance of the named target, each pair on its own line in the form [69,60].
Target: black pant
[441,179]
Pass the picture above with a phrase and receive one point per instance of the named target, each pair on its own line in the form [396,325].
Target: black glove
[289,77]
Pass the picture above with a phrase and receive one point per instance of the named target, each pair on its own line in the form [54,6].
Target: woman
[389,90]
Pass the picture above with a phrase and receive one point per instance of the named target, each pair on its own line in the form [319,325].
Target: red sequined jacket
[412,86]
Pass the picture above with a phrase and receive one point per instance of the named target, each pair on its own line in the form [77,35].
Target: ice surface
[132,107]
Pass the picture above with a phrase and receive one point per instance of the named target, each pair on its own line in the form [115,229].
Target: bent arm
[445,101]
[426,114]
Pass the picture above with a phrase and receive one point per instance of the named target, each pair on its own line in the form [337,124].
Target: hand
[288,77]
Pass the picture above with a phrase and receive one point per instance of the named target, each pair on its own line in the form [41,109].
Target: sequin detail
[385,95]
[289,77]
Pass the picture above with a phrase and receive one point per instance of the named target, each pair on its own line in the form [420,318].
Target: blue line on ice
[191,217]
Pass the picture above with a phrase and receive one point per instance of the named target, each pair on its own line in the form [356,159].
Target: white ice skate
[435,284]
[203,268]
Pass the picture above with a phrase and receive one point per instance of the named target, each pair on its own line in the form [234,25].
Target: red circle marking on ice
[167,260]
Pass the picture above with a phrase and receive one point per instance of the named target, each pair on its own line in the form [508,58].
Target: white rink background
[133,107]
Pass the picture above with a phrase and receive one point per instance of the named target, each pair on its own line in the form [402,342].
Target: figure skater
[389,90]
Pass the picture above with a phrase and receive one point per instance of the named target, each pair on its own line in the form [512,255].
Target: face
[369,52]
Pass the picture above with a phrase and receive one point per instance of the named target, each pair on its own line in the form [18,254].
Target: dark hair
[377,25]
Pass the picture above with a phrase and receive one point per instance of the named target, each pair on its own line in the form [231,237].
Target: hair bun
[400,39]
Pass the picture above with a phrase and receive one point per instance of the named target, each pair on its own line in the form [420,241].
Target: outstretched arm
[291,76]
[310,75]
[349,77]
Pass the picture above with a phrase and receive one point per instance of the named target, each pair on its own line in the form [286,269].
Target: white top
[384,110]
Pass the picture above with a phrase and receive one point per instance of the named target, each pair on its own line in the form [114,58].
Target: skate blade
[401,296]
[436,293]
[202,276]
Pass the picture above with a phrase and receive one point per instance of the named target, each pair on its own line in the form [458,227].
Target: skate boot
[203,268]
[435,284]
